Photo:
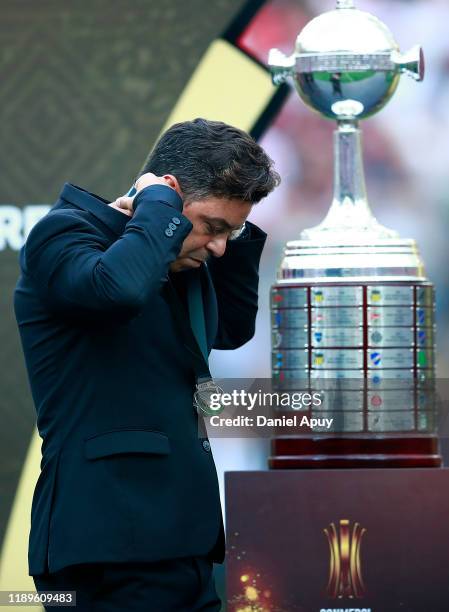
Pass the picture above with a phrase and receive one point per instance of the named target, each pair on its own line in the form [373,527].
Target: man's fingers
[125,202]
[125,211]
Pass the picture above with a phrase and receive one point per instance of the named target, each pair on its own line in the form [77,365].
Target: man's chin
[185,263]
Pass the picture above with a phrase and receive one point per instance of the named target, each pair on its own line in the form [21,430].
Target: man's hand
[125,203]
[151,179]
[123,206]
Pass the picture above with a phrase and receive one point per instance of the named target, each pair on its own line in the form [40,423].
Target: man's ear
[173,182]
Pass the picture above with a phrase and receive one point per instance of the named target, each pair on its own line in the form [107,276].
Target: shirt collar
[111,217]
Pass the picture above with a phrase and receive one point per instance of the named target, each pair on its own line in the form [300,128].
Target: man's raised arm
[76,270]
[236,279]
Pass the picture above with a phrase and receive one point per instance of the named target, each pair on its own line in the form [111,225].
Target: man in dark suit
[126,510]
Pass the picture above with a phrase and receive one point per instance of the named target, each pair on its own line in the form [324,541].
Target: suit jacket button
[172,226]
[169,232]
[176,221]
[206,445]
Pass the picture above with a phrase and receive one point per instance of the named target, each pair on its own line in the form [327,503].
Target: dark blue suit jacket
[125,476]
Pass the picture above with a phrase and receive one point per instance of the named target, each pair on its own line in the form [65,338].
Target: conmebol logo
[345,567]
[346,610]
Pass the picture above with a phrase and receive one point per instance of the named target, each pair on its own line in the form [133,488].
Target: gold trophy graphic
[345,566]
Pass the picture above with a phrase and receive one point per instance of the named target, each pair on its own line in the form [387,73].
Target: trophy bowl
[346,55]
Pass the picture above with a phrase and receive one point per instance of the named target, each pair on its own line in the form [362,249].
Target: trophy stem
[349,217]
[349,176]
[350,208]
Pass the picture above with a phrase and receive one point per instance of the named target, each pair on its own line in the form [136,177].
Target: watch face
[238,232]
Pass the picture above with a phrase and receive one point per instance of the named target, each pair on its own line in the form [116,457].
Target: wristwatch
[241,232]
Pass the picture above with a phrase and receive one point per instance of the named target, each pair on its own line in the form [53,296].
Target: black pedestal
[338,540]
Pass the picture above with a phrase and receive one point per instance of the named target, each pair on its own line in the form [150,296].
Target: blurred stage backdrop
[88,86]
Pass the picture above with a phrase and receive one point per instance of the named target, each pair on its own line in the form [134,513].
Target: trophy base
[324,452]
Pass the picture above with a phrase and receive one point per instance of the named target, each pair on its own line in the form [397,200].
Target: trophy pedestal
[305,541]
[367,349]
[320,452]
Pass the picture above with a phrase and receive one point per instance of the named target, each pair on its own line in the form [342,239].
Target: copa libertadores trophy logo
[345,566]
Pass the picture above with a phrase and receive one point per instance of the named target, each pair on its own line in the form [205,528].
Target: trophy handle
[411,62]
[281,66]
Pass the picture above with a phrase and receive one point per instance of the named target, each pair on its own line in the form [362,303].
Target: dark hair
[211,158]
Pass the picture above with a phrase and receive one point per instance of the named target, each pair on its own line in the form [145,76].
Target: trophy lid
[345,30]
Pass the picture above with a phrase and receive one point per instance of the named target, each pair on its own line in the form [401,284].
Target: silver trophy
[352,306]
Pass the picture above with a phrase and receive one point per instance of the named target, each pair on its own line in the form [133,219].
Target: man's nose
[217,246]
